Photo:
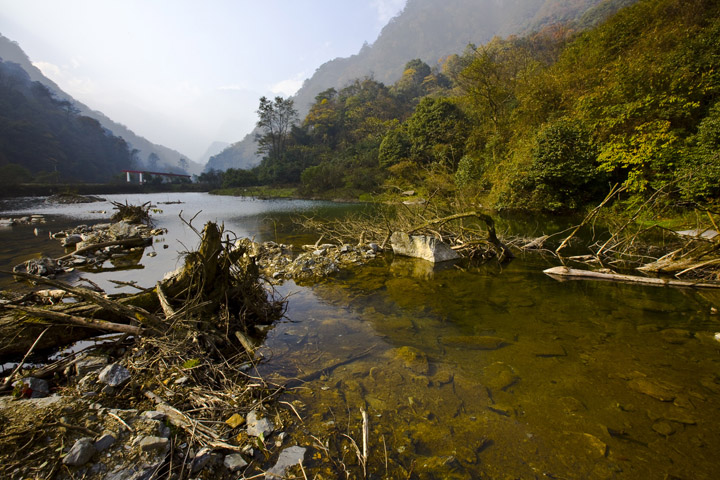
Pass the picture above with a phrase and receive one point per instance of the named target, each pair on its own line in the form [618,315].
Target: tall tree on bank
[275,119]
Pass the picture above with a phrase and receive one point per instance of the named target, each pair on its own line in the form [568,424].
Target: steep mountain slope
[428,30]
[168,158]
[43,139]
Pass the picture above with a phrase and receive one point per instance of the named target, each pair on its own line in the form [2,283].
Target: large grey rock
[114,375]
[420,246]
[258,426]
[81,452]
[288,458]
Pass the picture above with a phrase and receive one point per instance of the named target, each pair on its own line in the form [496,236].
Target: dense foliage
[44,139]
[547,121]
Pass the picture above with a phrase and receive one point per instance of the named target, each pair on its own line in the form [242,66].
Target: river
[483,372]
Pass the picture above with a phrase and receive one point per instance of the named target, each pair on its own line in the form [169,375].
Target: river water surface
[481,372]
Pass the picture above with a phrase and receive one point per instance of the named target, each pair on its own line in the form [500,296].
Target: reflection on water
[473,372]
[506,373]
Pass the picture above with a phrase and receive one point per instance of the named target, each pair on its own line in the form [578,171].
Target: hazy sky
[185,73]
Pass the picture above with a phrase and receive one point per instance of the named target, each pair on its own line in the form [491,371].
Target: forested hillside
[428,30]
[550,121]
[148,154]
[44,139]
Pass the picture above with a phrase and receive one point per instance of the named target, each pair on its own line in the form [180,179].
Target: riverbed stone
[81,452]
[500,376]
[424,247]
[663,428]
[288,458]
[258,426]
[474,342]
[654,388]
[676,336]
[234,462]
[154,415]
[114,375]
[413,359]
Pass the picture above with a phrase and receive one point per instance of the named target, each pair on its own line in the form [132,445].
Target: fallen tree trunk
[75,320]
[128,311]
[565,273]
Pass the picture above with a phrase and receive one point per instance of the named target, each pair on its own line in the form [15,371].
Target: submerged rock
[474,342]
[655,389]
[413,359]
[420,246]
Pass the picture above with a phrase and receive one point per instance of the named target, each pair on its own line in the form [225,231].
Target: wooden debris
[565,273]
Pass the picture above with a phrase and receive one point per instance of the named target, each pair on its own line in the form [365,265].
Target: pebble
[234,462]
[154,415]
[258,426]
[89,364]
[153,443]
[202,457]
[104,442]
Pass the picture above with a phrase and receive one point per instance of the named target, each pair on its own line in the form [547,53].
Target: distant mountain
[429,30]
[167,159]
[238,155]
[214,148]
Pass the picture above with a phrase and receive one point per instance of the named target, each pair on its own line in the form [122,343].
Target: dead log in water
[565,273]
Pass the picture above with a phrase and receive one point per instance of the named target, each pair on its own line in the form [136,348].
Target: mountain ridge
[455,24]
[11,51]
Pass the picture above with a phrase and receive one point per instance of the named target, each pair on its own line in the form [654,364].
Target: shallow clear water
[482,372]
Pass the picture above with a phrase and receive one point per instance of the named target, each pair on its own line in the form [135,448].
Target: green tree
[563,172]
[275,119]
[394,148]
[437,131]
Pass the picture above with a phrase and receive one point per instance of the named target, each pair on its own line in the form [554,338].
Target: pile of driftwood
[205,319]
[471,234]
[687,258]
